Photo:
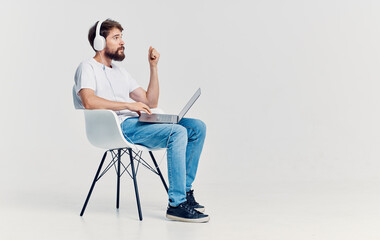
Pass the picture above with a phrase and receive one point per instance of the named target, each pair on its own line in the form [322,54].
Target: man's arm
[149,97]
[91,101]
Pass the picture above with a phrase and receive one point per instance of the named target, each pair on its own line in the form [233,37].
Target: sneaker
[185,213]
[191,200]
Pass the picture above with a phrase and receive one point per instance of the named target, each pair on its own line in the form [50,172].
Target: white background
[289,96]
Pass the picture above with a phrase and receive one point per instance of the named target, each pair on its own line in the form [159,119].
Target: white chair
[103,131]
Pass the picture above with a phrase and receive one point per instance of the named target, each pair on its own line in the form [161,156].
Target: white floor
[238,211]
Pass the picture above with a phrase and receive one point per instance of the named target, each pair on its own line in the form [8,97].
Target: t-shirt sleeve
[133,85]
[84,77]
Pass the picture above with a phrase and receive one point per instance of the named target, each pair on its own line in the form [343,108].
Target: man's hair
[105,29]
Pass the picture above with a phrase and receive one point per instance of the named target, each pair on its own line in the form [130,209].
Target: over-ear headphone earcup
[99,40]
[99,43]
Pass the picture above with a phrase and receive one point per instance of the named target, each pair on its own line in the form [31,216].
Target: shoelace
[188,208]
[190,198]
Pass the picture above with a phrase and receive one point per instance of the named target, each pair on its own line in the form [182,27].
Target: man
[100,84]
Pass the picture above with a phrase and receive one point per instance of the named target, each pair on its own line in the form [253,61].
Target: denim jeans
[184,148]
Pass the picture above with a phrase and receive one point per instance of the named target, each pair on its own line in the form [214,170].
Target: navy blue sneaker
[191,200]
[186,213]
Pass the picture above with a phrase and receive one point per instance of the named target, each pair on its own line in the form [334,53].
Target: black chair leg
[159,171]
[135,183]
[118,178]
[93,184]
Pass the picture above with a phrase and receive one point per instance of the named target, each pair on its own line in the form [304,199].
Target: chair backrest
[103,129]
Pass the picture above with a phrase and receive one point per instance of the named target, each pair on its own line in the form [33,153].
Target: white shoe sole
[197,220]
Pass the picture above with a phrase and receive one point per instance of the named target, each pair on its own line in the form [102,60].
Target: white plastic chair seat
[103,130]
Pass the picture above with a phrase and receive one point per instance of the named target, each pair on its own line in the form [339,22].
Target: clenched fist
[153,56]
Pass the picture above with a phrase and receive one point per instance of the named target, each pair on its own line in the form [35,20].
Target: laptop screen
[189,104]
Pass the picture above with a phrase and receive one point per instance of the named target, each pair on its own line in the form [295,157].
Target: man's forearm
[95,102]
[153,88]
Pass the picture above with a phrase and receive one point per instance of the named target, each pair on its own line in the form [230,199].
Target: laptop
[167,118]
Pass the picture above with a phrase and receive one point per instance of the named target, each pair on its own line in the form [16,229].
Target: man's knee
[179,133]
[200,127]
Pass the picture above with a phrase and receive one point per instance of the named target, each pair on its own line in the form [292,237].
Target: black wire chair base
[136,156]
[130,169]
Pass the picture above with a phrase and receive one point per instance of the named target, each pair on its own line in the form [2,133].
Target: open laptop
[167,118]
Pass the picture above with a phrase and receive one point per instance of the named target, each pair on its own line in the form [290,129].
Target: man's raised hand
[153,56]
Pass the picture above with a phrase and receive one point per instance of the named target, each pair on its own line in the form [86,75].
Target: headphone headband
[98,28]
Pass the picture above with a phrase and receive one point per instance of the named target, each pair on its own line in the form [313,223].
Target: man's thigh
[152,135]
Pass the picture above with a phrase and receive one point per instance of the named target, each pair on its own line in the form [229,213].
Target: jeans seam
[170,173]
[192,149]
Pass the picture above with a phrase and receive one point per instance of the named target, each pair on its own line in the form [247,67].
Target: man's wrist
[126,105]
[153,67]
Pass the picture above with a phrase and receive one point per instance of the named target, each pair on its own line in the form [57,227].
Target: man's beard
[115,55]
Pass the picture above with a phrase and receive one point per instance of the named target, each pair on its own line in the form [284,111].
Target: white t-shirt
[113,84]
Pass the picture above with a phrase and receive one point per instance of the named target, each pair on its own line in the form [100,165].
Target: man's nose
[122,43]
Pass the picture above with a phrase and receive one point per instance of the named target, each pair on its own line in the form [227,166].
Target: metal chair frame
[120,169]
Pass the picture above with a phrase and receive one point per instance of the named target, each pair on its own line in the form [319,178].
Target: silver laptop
[167,118]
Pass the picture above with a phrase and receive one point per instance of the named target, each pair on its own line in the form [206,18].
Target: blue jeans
[184,148]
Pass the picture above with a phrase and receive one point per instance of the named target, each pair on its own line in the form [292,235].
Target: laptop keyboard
[166,118]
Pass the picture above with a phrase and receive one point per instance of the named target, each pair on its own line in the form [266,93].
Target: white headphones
[99,41]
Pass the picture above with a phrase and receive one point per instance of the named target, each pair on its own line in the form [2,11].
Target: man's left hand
[153,56]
